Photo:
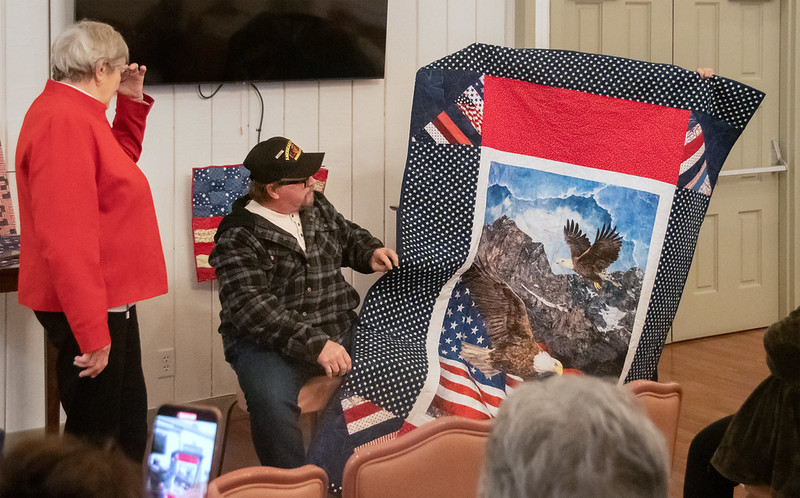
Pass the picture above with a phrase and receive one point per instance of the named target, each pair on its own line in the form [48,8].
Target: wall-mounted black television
[218,41]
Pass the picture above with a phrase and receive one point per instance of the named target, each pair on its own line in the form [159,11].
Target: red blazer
[89,239]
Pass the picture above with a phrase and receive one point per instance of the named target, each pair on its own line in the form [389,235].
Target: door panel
[733,282]
[745,205]
[638,30]
[634,29]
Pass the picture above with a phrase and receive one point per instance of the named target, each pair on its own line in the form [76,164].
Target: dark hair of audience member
[67,467]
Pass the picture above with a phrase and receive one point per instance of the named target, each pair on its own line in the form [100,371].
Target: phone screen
[181,451]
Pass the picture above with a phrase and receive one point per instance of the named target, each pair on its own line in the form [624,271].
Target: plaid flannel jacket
[278,297]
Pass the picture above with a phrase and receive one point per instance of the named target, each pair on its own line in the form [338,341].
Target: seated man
[287,311]
[571,437]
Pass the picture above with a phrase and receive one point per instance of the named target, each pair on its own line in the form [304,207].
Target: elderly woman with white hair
[90,247]
[571,437]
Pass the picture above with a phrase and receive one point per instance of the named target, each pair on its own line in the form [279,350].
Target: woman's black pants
[113,405]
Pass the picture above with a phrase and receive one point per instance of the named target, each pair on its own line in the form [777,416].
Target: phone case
[183,451]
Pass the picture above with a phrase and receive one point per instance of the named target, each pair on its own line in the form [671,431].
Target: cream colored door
[733,282]
[637,30]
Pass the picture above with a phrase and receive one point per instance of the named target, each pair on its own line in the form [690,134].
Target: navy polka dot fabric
[438,202]
[661,84]
[688,210]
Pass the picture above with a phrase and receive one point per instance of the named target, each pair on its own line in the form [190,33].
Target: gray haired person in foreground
[573,436]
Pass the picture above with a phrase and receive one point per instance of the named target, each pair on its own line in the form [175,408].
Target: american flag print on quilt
[214,188]
[550,207]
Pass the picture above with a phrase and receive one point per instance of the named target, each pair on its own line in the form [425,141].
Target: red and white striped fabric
[459,393]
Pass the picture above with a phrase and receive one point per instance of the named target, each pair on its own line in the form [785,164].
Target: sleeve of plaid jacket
[245,283]
[357,243]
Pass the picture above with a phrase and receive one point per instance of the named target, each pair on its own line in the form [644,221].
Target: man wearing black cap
[287,311]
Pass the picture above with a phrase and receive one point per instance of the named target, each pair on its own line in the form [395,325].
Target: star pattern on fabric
[435,214]
[215,188]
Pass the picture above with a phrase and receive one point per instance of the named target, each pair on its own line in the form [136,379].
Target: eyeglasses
[294,182]
[124,72]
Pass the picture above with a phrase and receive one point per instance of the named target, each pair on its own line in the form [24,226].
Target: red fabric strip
[210,222]
[692,147]
[454,131]
[443,130]
[454,369]
[472,393]
[579,128]
[456,409]
[360,411]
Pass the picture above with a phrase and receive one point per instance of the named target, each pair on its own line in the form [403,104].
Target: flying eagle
[591,261]
[505,317]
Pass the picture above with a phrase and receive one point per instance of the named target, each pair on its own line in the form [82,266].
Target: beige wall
[362,125]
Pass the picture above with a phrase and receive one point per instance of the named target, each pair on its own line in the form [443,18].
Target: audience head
[574,436]
[67,467]
[77,51]
[782,343]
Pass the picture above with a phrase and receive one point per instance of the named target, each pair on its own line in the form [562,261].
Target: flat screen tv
[218,41]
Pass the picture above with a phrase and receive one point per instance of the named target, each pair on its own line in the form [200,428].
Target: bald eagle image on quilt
[550,207]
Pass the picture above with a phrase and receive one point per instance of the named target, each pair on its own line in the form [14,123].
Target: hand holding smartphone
[183,452]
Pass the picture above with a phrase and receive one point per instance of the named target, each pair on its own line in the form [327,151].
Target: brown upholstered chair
[441,458]
[662,402]
[308,481]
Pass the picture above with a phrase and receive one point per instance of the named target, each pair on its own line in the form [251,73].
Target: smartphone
[183,451]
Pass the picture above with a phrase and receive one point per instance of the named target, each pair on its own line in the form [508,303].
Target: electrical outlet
[166,362]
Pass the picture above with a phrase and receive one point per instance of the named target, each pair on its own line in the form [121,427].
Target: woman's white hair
[570,436]
[76,52]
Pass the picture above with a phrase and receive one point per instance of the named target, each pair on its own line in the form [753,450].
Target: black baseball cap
[278,158]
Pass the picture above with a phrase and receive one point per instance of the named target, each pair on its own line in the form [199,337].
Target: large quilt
[550,208]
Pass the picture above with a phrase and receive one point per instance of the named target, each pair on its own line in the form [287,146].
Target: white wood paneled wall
[362,126]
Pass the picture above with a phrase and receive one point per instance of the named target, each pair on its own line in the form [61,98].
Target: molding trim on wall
[532,27]
[790,141]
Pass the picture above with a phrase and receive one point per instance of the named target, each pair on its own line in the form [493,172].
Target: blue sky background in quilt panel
[540,203]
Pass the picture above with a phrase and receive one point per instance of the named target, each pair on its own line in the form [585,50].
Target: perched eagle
[591,261]
[514,349]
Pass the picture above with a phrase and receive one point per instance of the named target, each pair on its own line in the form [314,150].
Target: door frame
[789,189]
[534,32]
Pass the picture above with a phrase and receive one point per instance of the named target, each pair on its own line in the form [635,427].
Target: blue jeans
[271,382]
